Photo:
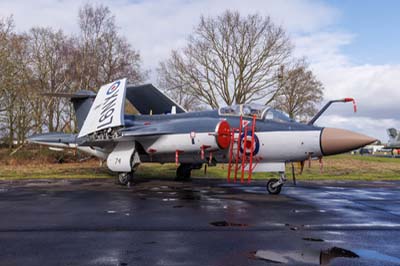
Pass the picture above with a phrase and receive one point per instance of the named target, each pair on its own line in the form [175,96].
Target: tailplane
[82,101]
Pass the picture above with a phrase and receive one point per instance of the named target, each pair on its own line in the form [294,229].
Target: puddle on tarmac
[307,211]
[169,199]
[150,243]
[372,254]
[294,227]
[323,257]
[188,195]
[327,255]
[225,223]
[313,239]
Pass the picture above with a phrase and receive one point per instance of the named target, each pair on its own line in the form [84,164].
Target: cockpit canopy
[260,111]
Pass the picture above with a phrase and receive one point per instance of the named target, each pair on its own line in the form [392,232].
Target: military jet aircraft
[394,140]
[249,137]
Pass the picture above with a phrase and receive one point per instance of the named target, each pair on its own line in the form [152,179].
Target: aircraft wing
[144,131]
[55,139]
[129,134]
[148,99]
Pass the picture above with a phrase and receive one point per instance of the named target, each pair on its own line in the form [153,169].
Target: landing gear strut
[184,171]
[274,185]
[124,179]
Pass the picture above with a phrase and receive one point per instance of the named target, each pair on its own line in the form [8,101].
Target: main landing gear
[184,171]
[124,179]
[274,185]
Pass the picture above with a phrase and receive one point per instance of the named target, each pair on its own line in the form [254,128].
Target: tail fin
[107,110]
[99,111]
[82,101]
[392,132]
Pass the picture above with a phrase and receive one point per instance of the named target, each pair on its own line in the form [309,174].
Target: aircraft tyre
[184,171]
[271,189]
[124,178]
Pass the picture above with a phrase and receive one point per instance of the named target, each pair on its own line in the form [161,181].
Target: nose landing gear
[274,185]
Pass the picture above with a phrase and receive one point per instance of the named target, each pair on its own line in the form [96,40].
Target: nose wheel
[274,185]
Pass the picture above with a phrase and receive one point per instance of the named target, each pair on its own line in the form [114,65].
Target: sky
[351,45]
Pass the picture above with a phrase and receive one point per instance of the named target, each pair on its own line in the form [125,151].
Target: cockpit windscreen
[260,111]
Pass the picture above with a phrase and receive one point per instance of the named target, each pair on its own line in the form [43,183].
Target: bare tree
[179,94]
[14,121]
[102,55]
[47,60]
[49,56]
[299,91]
[230,59]
[6,66]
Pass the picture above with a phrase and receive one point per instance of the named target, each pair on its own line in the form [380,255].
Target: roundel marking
[248,144]
[113,87]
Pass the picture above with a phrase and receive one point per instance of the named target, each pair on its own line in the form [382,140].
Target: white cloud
[155,27]
[57,14]
[375,87]
[323,48]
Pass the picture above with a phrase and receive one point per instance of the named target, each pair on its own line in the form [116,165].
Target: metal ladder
[238,151]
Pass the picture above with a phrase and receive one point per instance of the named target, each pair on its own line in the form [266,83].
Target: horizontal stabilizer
[107,110]
[82,101]
[83,94]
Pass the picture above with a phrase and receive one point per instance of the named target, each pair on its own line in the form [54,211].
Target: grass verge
[340,167]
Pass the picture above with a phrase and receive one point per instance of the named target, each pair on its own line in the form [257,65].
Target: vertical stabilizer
[82,102]
[107,110]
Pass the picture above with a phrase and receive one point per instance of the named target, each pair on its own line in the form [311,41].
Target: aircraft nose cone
[335,141]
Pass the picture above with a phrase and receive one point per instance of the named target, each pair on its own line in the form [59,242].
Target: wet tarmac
[204,222]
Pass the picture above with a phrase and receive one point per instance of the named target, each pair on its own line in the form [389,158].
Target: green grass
[353,167]
[341,167]
[53,170]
